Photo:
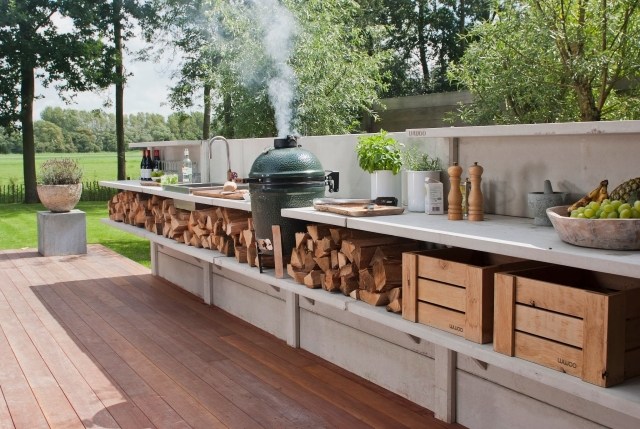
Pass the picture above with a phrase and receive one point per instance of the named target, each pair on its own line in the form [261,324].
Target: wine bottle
[187,167]
[156,160]
[145,166]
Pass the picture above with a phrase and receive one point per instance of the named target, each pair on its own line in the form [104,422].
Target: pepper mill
[475,203]
[455,196]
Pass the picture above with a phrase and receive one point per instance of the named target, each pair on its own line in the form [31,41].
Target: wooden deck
[96,341]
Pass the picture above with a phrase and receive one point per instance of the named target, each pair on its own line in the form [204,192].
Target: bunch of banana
[599,194]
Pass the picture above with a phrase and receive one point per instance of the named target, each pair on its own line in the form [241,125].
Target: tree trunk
[206,123]
[226,110]
[117,36]
[586,101]
[422,43]
[27,90]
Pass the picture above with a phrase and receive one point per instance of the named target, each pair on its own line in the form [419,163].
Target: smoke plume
[279,27]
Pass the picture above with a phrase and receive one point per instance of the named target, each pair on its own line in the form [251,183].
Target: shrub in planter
[379,152]
[59,184]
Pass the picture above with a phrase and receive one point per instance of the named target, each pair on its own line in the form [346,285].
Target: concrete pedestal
[62,233]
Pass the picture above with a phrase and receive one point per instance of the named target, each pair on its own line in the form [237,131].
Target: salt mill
[475,203]
[455,196]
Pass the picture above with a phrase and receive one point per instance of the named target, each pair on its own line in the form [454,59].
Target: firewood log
[395,300]
[374,298]
[318,231]
[348,284]
[366,280]
[331,281]
[324,262]
[296,274]
[387,274]
[241,254]
[313,279]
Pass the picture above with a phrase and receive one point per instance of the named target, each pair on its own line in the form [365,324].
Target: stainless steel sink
[189,188]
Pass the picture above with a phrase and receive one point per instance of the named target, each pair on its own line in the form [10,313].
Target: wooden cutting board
[218,193]
[359,209]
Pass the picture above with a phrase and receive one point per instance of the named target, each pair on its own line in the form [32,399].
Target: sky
[146,91]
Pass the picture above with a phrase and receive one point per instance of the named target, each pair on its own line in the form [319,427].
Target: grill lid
[286,162]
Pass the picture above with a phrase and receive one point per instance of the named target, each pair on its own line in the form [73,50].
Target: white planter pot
[385,184]
[59,198]
[416,190]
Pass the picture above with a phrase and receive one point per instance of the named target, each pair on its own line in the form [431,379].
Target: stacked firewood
[229,231]
[366,266]
[137,209]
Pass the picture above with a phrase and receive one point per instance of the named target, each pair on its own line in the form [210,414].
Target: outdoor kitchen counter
[617,406]
[135,186]
[506,235]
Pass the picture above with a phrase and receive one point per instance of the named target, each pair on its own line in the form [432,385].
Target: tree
[10,143]
[49,137]
[424,36]
[84,141]
[554,61]
[190,30]
[30,40]
[332,75]
[118,19]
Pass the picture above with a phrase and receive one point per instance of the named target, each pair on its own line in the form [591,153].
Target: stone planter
[59,198]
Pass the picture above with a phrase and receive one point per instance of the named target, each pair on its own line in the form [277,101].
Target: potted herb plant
[418,166]
[381,155]
[59,184]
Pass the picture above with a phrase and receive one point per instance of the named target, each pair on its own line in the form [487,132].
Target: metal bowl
[610,234]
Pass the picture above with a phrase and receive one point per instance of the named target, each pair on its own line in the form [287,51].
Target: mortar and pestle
[539,202]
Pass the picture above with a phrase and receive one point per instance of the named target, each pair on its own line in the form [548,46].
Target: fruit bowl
[610,234]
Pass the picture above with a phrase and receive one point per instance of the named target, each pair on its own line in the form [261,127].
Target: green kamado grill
[284,176]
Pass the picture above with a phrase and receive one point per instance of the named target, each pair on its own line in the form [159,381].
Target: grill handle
[332,180]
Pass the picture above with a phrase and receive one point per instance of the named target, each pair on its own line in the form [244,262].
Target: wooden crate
[583,323]
[452,289]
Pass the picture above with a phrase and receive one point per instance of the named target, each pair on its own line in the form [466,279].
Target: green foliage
[424,38]
[537,63]
[60,171]
[379,152]
[69,130]
[337,75]
[18,229]
[415,159]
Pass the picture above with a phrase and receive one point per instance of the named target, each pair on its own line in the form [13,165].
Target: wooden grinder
[475,203]
[455,196]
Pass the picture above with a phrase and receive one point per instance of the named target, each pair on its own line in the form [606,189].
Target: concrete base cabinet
[459,380]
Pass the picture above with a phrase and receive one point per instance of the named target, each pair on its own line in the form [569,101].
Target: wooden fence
[91,191]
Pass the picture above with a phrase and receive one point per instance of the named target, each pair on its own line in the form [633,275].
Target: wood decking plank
[18,397]
[147,354]
[186,407]
[247,400]
[51,399]
[154,407]
[112,401]
[200,329]
[205,394]
[5,416]
[87,405]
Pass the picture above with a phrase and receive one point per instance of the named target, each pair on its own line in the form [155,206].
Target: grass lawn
[95,166]
[19,229]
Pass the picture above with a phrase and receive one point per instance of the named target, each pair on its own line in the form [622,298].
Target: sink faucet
[230,174]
